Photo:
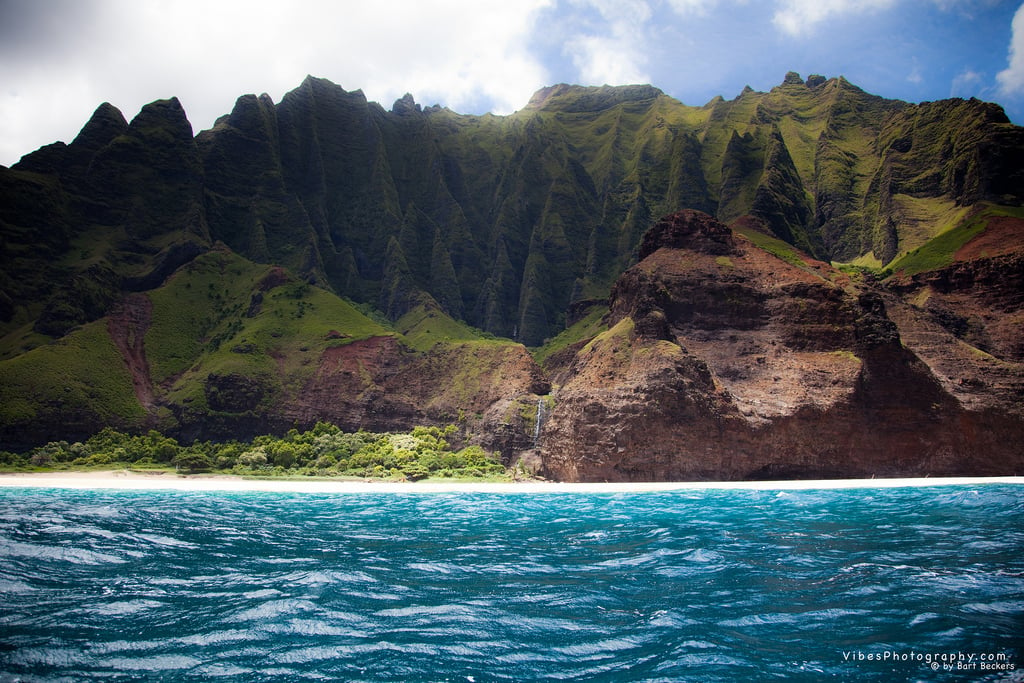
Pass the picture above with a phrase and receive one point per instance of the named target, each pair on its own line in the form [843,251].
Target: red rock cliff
[722,361]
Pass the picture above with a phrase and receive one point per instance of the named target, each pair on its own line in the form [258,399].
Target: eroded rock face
[734,364]
[980,301]
[693,230]
[490,391]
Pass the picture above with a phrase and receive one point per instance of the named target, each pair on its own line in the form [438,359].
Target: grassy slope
[192,305]
[80,373]
[939,251]
[222,314]
[468,360]
[200,325]
[618,338]
[773,245]
[427,325]
[205,323]
[584,329]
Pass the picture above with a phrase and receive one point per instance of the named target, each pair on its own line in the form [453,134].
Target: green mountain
[504,221]
[323,257]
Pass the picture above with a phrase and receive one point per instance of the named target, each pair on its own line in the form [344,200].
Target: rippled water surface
[868,584]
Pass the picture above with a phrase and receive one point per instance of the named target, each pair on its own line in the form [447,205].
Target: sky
[59,59]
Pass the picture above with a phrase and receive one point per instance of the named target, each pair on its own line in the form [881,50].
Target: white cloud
[697,7]
[60,58]
[453,51]
[967,83]
[613,50]
[1011,79]
[798,17]
[470,55]
[606,60]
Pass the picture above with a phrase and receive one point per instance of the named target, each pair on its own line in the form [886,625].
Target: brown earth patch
[347,387]
[1003,235]
[127,324]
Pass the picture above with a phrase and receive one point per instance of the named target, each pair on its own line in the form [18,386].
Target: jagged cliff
[507,221]
[725,361]
[325,258]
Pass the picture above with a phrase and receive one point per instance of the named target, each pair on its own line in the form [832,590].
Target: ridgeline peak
[581,98]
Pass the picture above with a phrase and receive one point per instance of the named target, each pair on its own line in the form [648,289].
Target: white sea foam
[139,481]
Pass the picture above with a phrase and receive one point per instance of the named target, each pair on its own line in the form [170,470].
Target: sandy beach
[128,480]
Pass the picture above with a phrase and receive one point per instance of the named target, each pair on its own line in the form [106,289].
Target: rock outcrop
[722,361]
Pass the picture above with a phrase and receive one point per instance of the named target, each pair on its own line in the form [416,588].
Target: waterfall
[539,421]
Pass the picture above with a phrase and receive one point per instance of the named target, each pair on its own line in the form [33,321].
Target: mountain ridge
[460,238]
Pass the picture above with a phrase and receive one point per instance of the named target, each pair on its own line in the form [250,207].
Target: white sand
[123,479]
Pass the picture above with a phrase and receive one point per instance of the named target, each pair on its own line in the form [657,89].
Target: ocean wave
[689,585]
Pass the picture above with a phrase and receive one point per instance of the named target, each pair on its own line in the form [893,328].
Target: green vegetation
[528,214]
[426,325]
[252,240]
[940,251]
[924,218]
[79,376]
[222,306]
[865,263]
[617,339]
[586,328]
[774,246]
[223,315]
[190,306]
[323,451]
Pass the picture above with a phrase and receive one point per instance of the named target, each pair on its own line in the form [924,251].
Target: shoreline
[128,480]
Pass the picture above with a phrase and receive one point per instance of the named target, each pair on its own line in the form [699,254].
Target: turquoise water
[867,584]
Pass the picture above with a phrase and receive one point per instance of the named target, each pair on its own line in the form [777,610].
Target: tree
[414,471]
[193,461]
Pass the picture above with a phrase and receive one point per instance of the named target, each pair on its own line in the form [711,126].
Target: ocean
[895,584]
